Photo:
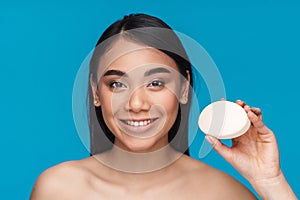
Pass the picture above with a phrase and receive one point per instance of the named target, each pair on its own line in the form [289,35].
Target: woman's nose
[138,101]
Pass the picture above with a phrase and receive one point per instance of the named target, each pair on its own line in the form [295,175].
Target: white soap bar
[224,120]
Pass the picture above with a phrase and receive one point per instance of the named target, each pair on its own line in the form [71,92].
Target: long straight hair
[101,138]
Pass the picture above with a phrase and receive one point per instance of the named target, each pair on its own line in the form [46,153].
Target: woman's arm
[274,188]
[255,155]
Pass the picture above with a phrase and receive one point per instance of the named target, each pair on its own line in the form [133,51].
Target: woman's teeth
[138,123]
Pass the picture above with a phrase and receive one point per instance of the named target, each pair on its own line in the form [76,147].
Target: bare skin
[255,154]
[136,97]
[184,179]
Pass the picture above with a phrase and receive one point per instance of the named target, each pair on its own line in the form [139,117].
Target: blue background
[255,45]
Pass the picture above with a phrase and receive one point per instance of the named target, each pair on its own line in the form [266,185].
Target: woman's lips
[139,127]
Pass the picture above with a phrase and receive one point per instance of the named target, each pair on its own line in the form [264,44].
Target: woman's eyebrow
[115,72]
[156,70]
[148,73]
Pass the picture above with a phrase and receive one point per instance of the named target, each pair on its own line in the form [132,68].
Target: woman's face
[139,94]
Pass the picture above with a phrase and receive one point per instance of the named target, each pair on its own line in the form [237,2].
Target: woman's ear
[95,91]
[184,93]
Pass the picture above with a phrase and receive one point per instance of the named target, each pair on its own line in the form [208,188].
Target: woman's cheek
[111,101]
[168,101]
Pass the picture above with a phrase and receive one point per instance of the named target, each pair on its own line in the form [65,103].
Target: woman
[140,92]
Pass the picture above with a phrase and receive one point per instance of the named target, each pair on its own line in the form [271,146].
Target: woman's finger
[258,123]
[241,103]
[219,147]
[256,111]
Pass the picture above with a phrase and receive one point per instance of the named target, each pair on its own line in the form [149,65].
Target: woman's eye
[117,85]
[156,84]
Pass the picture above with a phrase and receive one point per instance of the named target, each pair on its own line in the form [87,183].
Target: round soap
[223,120]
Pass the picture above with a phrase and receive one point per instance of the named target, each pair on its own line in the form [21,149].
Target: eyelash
[119,85]
[114,85]
[158,82]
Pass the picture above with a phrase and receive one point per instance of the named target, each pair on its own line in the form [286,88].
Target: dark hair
[150,31]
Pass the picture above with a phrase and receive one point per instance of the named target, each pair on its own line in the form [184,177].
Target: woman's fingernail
[211,139]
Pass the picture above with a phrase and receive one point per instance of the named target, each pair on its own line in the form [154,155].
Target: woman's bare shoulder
[61,179]
[211,181]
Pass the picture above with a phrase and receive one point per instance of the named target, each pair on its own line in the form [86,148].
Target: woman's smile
[140,127]
[138,122]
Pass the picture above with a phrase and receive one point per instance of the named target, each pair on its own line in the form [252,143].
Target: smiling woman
[140,91]
[127,36]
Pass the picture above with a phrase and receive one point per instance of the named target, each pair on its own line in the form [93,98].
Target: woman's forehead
[147,57]
[126,55]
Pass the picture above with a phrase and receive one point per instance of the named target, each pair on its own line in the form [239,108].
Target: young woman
[140,90]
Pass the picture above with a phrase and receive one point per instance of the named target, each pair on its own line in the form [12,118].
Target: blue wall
[255,45]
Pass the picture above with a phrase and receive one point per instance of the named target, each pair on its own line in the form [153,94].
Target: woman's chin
[141,146]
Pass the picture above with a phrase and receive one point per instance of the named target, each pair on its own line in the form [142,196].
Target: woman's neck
[131,162]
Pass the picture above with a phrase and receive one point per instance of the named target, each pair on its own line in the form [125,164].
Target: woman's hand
[255,155]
